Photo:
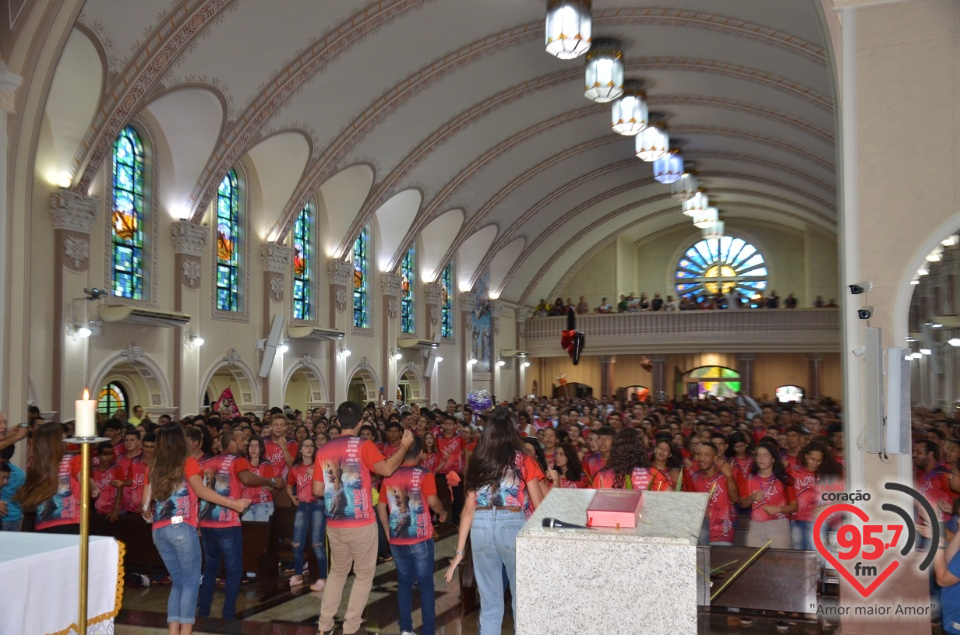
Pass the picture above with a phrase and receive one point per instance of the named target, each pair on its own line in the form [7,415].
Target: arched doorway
[131,378]
[410,388]
[304,386]
[712,381]
[789,393]
[234,374]
[363,385]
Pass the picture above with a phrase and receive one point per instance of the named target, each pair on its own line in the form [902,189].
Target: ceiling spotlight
[568,28]
[471,361]
[630,111]
[954,341]
[604,74]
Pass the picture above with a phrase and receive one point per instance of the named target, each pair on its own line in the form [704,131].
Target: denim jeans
[11,525]
[260,512]
[801,535]
[493,539]
[415,563]
[179,549]
[310,521]
[221,543]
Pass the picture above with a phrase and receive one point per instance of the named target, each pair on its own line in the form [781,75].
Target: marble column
[340,276]
[189,245]
[608,384]
[9,82]
[74,216]
[390,331]
[814,376]
[745,368]
[467,304]
[276,262]
[660,388]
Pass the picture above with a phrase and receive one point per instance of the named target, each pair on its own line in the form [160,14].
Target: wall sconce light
[80,331]
[525,365]
[192,340]
[954,341]
[440,359]
[342,352]
[284,347]
[471,361]
[501,363]
[395,354]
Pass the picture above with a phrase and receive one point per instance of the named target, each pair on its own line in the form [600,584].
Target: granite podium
[641,580]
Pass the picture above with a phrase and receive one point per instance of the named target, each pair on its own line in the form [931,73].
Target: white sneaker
[408,633]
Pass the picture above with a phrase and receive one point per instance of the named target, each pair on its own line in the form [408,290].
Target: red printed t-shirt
[430,461]
[720,509]
[182,503]
[639,478]
[583,483]
[451,454]
[389,450]
[593,464]
[935,487]
[405,493]
[108,493]
[300,478]
[805,485]
[274,454]
[345,466]
[135,472]
[224,470]
[257,494]
[774,493]
[742,466]
[63,508]
[511,491]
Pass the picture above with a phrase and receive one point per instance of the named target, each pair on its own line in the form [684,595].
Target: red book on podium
[619,508]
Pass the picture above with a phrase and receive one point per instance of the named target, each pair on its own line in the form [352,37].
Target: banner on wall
[226,402]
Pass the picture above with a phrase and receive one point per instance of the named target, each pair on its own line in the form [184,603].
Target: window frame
[307,279]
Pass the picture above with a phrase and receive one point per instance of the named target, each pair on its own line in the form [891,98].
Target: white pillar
[189,245]
[8,92]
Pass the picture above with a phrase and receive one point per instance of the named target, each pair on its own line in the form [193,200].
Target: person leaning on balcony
[773,301]
[622,305]
[604,307]
[543,309]
[582,306]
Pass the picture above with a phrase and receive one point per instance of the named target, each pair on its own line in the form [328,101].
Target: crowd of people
[722,300]
[379,480]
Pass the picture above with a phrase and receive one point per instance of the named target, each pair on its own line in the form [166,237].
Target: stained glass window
[446,302]
[716,381]
[112,398]
[360,285]
[127,219]
[228,244]
[302,262]
[408,322]
[717,265]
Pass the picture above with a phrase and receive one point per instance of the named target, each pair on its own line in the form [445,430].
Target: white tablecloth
[40,583]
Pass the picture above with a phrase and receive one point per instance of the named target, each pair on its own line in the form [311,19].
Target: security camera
[865,312]
[95,293]
[860,287]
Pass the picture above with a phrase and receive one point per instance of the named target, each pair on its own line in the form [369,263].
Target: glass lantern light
[685,187]
[696,203]
[668,168]
[714,231]
[652,142]
[705,218]
[568,28]
[630,111]
[604,74]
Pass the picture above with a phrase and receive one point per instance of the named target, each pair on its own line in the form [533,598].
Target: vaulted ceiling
[445,119]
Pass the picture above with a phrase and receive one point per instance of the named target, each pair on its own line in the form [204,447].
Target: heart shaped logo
[839,566]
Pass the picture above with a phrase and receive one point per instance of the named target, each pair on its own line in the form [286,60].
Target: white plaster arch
[310,370]
[366,372]
[435,240]
[150,372]
[421,386]
[276,165]
[502,263]
[394,218]
[470,254]
[339,201]
[242,372]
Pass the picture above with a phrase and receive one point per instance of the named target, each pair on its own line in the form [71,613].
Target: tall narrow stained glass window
[128,215]
[408,316]
[302,263]
[228,243]
[717,265]
[360,284]
[446,302]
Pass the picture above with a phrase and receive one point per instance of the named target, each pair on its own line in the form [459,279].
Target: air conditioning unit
[148,317]
[314,333]
[412,342]
[510,352]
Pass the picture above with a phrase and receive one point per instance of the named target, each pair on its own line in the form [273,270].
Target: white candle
[86,425]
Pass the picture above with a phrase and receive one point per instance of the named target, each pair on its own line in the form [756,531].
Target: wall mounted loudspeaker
[270,348]
[873,390]
[898,402]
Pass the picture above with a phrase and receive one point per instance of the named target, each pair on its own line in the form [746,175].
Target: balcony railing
[749,330]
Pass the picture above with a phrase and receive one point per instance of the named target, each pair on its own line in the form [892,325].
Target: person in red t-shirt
[108,480]
[134,472]
[769,494]
[628,467]
[716,478]
[309,521]
[406,499]
[794,443]
[567,472]
[394,431]
[52,484]
[593,463]
[452,448]
[932,478]
[343,480]
[815,463]
[261,508]
[280,450]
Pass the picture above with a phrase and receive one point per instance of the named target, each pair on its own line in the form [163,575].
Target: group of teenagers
[372,472]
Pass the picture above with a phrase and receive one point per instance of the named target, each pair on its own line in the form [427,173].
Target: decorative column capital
[189,239]
[432,293]
[9,82]
[73,212]
[522,314]
[275,258]
[390,284]
[339,271]
[468,301]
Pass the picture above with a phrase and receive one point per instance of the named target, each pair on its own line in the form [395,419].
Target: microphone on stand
[553,523]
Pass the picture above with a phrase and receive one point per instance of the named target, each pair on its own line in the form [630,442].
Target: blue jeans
[310,520]
[493,539]
[11,525]
[801,535]
[415,563]
[260,512]
[221,543]
[179,549]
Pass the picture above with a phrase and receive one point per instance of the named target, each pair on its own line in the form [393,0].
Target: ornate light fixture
[706,218]
[668,168]
[604,75]
[652,142]
[685,187]
[630,111]
[714,231]
[696,203]
[568,28]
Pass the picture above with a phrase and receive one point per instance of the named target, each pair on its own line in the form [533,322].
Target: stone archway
[303,385]
[142,379]
[231,371]
[410,386]
[364,386]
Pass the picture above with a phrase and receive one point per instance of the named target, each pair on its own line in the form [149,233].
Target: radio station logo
[858,553]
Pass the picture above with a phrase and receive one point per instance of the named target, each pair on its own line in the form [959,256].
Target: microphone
[553,523]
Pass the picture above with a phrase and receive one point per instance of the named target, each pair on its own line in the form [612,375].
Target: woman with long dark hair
[175,481]
[567,471]
[628,467]
[502,483]
[261,497]
[768,493]
[815,465]
[665,464]
[310,520]
[52,486]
